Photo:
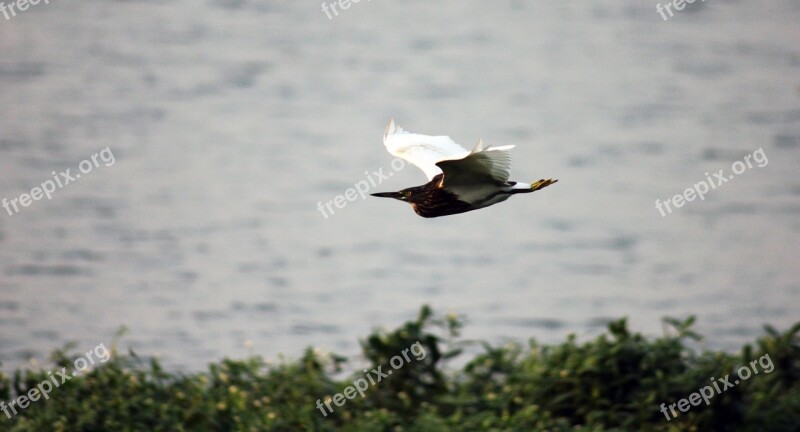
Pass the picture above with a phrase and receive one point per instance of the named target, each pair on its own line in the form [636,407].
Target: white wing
[483,164]
[477,175]
[424,151]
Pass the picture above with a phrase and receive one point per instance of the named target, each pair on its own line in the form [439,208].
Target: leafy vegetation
[616,382]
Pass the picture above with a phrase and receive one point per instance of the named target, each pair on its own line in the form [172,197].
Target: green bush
[616,382]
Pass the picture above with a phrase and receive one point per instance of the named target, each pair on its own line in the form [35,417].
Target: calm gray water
[230,120]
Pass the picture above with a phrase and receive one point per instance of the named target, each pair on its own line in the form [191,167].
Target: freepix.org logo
[55,380]
[361,385]
[10,10]
[62,179]
[699,190]
[342,4]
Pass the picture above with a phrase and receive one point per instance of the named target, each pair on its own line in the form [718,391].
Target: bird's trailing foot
[541,184]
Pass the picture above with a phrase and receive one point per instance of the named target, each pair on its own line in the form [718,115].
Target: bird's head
[403,195]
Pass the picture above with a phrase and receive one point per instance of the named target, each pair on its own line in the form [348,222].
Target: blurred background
[231,120]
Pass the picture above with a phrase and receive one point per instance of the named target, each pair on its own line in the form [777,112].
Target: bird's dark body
[433,200]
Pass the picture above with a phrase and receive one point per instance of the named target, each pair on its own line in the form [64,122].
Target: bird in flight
[459,180]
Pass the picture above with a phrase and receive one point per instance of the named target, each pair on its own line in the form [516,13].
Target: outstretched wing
[483,165]
[424,151]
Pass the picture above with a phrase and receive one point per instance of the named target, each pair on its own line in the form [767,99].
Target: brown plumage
[433,200]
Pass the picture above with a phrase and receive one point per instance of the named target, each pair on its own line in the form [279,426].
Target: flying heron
[459,180]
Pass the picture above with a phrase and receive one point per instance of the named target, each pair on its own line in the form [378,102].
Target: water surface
[231,120]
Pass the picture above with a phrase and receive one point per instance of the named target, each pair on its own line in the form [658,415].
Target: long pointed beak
[395,195]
